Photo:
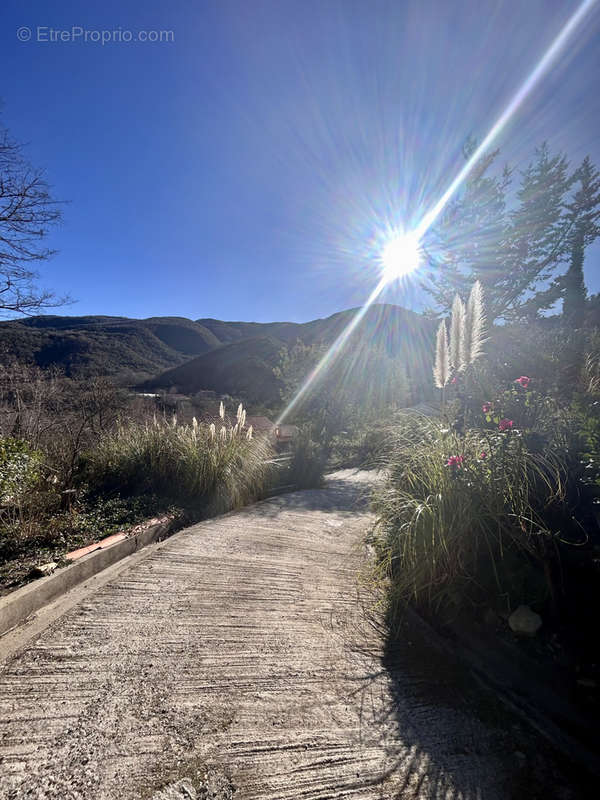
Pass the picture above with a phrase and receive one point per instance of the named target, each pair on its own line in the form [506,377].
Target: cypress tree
[584,217]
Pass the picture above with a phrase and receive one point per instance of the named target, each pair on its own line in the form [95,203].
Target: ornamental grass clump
[473,497]
[193,464]
[458,508]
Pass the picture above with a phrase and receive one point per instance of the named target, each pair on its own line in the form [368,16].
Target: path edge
[18,606]
[490,677]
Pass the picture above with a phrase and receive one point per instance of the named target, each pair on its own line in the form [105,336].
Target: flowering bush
[19,470]
[523,381]
[455,525]
[483,495]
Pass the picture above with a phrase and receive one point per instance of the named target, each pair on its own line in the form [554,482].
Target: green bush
[307,465]
[357,448]
[20,468]
[483,505]
[372,451]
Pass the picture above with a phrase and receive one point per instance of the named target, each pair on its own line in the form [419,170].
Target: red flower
[505,424]
[483,454]
[523,381]
[455,461]
[486,408]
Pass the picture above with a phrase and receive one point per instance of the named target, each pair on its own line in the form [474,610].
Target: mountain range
[234,358]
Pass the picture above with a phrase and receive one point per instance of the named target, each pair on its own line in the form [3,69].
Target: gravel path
[236,660]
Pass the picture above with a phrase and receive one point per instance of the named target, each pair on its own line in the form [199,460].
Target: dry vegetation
[81,459]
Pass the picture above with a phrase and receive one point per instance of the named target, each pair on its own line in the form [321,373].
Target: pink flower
[453,380]
[505,424]
[482,455]
[455,461]
[486,408]
[523,381]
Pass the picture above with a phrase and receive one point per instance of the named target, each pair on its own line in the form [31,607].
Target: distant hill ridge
[228,357]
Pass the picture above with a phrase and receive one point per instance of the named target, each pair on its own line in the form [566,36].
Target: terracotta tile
[102,545]
[83,551]
[116,537]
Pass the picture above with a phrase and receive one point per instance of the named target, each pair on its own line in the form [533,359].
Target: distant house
[281,435]
[284,434]
[261,425]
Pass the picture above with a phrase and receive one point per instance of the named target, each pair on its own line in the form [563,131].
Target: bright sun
[400,256]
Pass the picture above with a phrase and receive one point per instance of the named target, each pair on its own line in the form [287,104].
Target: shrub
[373,449]
[307,464]
[360,448]
[461,510]
[19,470]
[480,502]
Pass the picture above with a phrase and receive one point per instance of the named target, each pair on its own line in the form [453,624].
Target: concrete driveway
[242,659]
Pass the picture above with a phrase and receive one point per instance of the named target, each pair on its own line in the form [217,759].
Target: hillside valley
[236,358]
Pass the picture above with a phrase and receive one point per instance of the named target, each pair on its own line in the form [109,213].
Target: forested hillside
[227,357]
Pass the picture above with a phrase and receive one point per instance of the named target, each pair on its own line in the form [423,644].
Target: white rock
[182,790]
[525,621]
[45,569]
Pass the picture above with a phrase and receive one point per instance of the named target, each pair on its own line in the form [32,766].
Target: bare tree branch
[27,212]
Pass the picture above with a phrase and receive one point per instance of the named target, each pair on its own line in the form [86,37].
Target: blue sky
[242,170]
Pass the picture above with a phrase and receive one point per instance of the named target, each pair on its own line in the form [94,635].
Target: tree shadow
[444,735]
[426,728]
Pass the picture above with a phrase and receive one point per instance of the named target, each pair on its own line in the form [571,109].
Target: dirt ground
[243,658]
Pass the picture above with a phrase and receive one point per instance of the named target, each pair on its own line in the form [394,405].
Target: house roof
[287,431]
[260,424]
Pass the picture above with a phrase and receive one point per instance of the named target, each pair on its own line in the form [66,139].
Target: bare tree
[58,415]
[27,211]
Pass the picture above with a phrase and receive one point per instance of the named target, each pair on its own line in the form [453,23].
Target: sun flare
[400,256]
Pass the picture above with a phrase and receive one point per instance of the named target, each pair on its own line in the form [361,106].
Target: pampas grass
[441,368]
[457,332]
[188,463]
[474,327]
[467,337]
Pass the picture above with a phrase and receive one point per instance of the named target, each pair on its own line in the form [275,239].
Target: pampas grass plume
[441,369]
[474,326]
[457,325]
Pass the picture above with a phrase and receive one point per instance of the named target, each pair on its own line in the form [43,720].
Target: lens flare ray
[333,351]
[520,96]
[543,66]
